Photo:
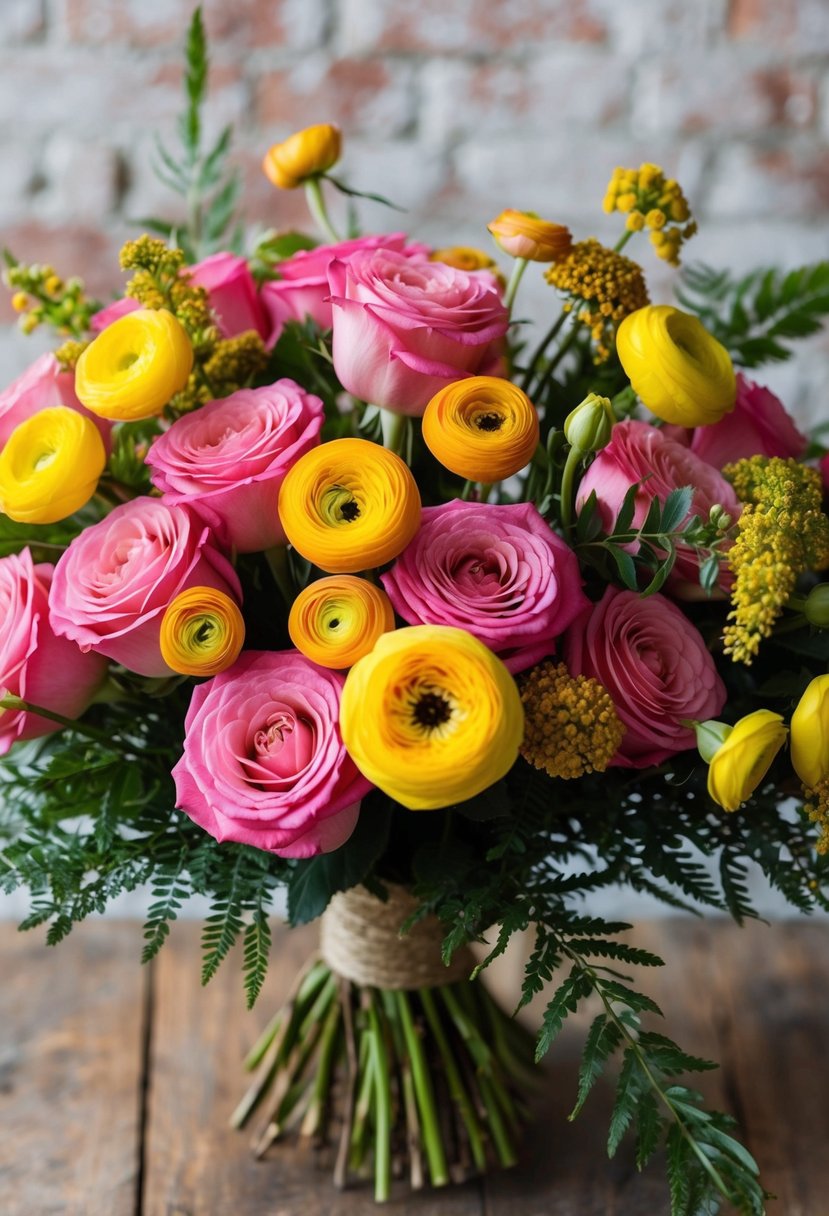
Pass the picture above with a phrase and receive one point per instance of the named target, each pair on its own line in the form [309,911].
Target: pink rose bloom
[405,328]
[112,585]
[824,468]
[42,386]
[302,290]
[232,293]
[759,425]
[499,572]
[638,451]
[655,666]
[112,312]
[35,664]
[228,459]
[264,762]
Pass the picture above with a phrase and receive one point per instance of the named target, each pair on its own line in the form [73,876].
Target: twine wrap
[360,940]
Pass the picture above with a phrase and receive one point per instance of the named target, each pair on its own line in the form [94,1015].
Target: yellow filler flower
[305,154]
[337,620]
[523,234]
[739,756]
[571,724]
[50,466]
[482,428]
[682,373]
[134,366]
[655,202]
[202,632]
[431,716]
[349,505]
[604,287]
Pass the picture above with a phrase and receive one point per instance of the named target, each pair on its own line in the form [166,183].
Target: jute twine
[360,940]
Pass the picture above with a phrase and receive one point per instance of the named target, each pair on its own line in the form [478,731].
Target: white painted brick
[79,180]
[21,20]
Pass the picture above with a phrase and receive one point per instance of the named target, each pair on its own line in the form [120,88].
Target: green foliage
[759,315]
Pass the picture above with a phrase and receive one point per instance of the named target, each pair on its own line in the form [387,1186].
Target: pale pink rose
[759,425]
[638,452]
[656,668]
[264,762]
[302,289]
[499,572]
[229,458]
[112,585]
[35,665]
[231,291]
[405,328]
[112,312]
[42,386]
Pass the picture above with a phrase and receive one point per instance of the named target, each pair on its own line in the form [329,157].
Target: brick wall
[455,108]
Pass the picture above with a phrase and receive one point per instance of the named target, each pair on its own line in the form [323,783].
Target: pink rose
[404,328]
[302,289]
[759,425]
[638,452]
[654,665]
[229,458]
[114,582]
[824,469]
[35,664]
[264,762]
[42,386]
[499,572]
[232,293]
[112,312]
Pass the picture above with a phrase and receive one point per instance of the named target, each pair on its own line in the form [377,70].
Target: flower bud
[816,608]
[464,257]
[50,466]
[810,733]
[588,427]
[710,737]
[306,153]
[20,301]
[743,758]
[522,234]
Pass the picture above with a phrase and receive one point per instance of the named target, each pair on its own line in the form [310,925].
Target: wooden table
[116,1082]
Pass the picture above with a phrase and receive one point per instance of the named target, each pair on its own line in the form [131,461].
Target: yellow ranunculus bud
[431,716]
[463,257]
[810,734]
[682,373]
[522,234]
[134,366]
[306,153]
[202,632]
[349,505]
[742,760]
[589,426]
[50,466]
[482,428]
[337,620]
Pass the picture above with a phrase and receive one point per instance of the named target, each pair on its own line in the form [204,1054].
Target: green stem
[568,478]
[18,705]
[556,359]
[382,1106]
[363,1103]
[485,489]
[280,568]
[519,266]
[540,349]
[409,1096]
[395,428]
[315,1113]
[433,1144]
[623,240]
[316,205]
[468,487]
[453,1077]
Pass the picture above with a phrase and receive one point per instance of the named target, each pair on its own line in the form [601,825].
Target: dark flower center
[431,710]
[489,422]
[349,511]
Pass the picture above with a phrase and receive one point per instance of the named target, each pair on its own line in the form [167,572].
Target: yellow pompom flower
[349,505]
[202,632]
[337,620]
[431,716]
[50,466]
[682,373]
[523,234]
[810,733]
[482,428]
[571,726]
[303,155]
[134,366]
[464,257]
[740,756]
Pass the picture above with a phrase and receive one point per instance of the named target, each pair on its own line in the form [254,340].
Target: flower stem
[382,1104]
[567,479]
[554,362]
[540,349]
[433,1144]
[395,429]
[453,1077]
[622,241]
[280,568]
[316,205]
[519,266]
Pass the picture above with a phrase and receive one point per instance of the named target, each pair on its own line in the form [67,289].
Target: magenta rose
[302,289]
[264,762]
[656,668]
[759,425]
[638,452]
[35,664]
[112,585]
[232,293]
[499,572]
[42,386]
[824,469]
[228,459]
[112,312]
[405,328]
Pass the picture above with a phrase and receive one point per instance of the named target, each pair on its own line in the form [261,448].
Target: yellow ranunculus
[810,734]
[522,234]
[349,505]
[464,257]
[482,428]
[134,366]
[337,620]
[744,757]
[50,465]
[304,154]
[431,716]
[682,373]
[202,632]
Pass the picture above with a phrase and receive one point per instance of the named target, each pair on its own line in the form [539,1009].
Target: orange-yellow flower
[306,153]
[810,734]
[202,632]
[337,620]
[522,234]
[134,366]
[50,466]
[740,756]
[463,257]
[482,428]
[349,505]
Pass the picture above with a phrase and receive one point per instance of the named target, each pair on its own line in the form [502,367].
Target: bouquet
[325,572]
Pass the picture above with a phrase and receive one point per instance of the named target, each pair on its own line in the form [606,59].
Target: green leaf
[315,881]
[676,508]
[602,1040]
[375,198]
[649,1128]
[628,1092]
[257,945]
[624,564]
[625,516]
[565,1000]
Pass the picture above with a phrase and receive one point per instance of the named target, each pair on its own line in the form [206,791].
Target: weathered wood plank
[71,1036]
